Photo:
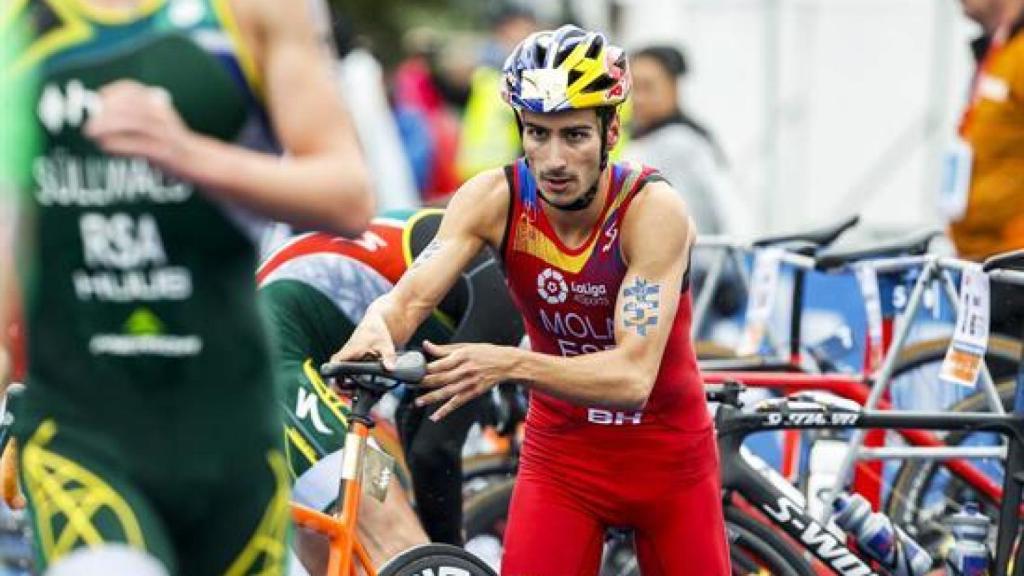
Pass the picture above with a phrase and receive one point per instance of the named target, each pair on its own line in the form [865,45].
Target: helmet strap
[604,117]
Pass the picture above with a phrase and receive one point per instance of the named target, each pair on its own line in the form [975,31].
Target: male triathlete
[150,440]
[316,288]
[595,255]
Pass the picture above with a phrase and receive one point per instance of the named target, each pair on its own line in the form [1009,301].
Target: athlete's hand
[462,372]
[133,119]
[371,339]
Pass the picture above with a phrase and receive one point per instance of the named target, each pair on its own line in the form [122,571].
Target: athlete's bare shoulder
[657,217]
[482,204]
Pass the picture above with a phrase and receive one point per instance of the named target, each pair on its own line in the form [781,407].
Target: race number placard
[966,353]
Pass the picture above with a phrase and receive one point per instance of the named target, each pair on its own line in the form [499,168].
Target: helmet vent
[601,84]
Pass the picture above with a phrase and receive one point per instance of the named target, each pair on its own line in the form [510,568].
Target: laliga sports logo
[552,287]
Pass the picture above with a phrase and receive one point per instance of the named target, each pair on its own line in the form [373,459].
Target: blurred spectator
[490,135]
[361,83]
[685,152]
[990,218]
[420,98]
[983,194]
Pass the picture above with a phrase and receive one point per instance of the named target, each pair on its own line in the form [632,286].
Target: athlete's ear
[613,131]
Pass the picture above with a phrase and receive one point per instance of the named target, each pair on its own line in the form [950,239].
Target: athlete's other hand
[371,339]
[132,119]
[461,372]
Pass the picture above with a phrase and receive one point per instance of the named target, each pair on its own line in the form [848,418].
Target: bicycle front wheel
[435,559]
[924,492]
[756,550]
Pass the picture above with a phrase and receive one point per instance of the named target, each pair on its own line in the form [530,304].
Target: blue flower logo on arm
[641,308]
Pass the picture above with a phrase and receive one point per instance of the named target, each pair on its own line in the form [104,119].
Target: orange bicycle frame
[340,528]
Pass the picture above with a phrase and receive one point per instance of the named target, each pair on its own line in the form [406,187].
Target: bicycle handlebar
[410,368]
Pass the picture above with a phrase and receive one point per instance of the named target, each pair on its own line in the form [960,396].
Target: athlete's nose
[556,159]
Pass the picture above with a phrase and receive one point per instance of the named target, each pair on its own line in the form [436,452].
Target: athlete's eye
[536,133]
[577,136]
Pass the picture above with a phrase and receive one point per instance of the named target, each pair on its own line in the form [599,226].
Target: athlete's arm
[7,281]
[474,217]
[321,183]
[657,233]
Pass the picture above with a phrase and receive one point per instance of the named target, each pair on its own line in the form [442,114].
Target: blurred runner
[151,443]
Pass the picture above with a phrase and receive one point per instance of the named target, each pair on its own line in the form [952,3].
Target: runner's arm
[322,182]
[324,179]
[474,217]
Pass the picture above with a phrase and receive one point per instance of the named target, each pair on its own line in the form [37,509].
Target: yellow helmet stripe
[587,100]
[574,57]
[591,71]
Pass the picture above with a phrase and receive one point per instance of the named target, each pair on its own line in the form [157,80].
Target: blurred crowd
[437,118]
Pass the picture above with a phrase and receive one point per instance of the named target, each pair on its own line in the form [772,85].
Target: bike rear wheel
[925,492]
[435,559]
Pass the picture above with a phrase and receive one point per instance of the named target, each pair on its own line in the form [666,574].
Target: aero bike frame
[740,476]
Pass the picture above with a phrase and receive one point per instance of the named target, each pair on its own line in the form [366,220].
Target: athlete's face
[564,150]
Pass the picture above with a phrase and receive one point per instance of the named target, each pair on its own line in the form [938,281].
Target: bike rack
[933,268]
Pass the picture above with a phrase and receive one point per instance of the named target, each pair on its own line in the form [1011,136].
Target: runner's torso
[141,287]
[567,297]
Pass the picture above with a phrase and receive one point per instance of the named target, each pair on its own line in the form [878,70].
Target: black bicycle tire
[1005,349]
[416,560]
[784,560]
[907,489]
[913,478]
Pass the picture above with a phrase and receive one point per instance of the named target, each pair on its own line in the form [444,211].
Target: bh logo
[552,287]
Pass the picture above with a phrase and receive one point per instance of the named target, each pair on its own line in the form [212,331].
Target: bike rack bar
[926,453]
[707,292]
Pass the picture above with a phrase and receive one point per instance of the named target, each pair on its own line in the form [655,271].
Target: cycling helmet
[565,69]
